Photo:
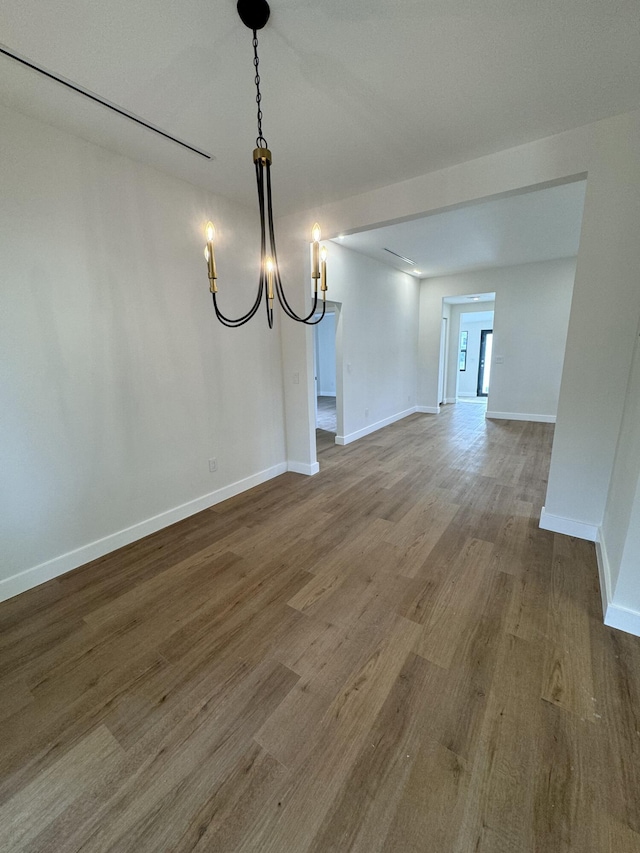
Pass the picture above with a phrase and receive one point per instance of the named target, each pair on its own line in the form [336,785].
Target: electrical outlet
[213,465]
[296,378]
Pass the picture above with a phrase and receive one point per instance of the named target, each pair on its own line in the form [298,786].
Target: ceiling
[520,229]
[356,95]
[477,317]
[468,300]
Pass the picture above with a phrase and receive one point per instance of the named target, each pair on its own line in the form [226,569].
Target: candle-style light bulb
[323,270]
[210,233]
[315,259]
[269,267]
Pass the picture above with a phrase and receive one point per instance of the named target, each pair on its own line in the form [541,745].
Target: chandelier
[255,14]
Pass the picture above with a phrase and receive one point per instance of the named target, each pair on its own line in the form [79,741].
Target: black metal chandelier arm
[260,167]
[223,320]
[260,187]
[282,299]
[315,322]
[288,310]
[239,321]
[306,320]
[263,241]
[269,313]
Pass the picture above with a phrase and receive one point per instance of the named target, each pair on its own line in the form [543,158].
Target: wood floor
[389,656]
[326,418]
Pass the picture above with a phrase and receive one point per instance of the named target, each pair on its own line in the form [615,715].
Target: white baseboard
[569,526]
[615,616]
[450,399]
[518,416]
[27,579]
[303,468]
[354,436]
[428,410]
[326,393]
[623,619]
[604,574]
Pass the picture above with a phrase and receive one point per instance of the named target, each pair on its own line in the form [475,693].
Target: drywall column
[619,547]
[297,347]
[601,336]
[624,609]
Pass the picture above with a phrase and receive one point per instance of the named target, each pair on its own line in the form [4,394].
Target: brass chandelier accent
[255,14]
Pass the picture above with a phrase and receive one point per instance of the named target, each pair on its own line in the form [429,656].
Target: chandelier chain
[261,142]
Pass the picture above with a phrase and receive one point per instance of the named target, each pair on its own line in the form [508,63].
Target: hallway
[327,419]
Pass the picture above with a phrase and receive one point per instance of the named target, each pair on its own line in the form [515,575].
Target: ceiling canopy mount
[254,13]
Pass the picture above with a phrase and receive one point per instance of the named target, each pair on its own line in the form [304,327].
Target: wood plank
[36,805]
[296,813]
[499,811]
[398,793]
[293,729]
[173,770]
[567,680]
[15,695]
[456,604]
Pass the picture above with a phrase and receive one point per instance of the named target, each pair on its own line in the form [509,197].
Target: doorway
[470,347]
[484,362]
[325,373]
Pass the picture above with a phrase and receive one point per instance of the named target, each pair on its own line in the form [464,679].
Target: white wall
[377,340]
[530,334]
[117,383]
[532,308]
[604,318]
[325,333]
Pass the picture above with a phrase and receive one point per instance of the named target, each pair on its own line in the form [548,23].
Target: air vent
[103,102]
[402,257]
